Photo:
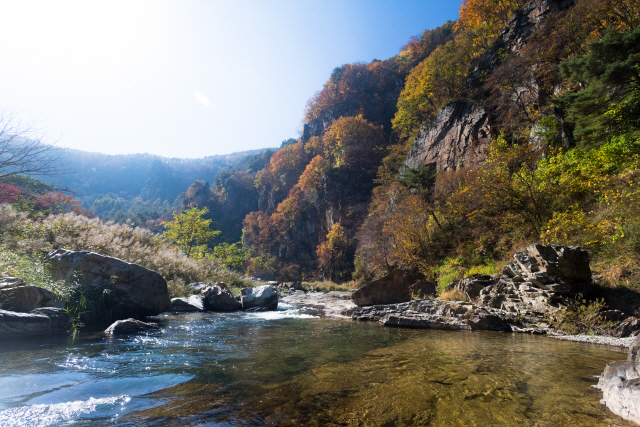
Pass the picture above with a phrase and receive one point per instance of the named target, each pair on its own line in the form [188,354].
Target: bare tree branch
[24,152]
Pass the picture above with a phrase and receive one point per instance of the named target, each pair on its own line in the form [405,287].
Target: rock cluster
[620,385]
[219,298]
[534,283]
[30,310]
[437,314]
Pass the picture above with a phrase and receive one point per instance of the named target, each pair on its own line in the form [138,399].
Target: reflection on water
[290,368]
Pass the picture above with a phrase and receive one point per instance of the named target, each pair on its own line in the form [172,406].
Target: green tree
[231,256]
[609,103]
[190,232]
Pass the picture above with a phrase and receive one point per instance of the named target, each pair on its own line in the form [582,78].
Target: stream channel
[292,368]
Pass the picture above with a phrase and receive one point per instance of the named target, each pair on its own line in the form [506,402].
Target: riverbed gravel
[596,339]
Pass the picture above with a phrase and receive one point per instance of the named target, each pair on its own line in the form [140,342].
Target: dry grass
[454,295]
[326,286]
[132,244]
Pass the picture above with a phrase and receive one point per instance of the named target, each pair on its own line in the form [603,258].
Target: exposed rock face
[130,326]
[15,295]
[620,385]
[434,314]
[137,291]
[534,283]
[457,137]
[183,305]
[218,297]
[395,287]
[461,132]
[260,296]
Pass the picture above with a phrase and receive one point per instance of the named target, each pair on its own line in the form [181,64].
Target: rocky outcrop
[186,305]
[620,385]
[16,295]
[628,327]
[218,297]
[458,137]
[535,282]
[263,297]
[397,286]
[436,314]
[40,322]
[136,291]
[131,326]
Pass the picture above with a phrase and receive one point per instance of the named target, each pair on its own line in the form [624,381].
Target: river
[292,368]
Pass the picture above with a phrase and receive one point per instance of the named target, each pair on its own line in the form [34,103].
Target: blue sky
[187,78]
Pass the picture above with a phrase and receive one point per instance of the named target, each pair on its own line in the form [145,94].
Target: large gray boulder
[42,322]
[16,295]
[14,324]
[261,297]
[397,286]
[620,385]
[191,304]
[131,326]
[219,297]
[136,291]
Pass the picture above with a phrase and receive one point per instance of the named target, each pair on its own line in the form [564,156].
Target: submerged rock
[193,303]
[130,326]
[260,296]
[135,291]
[219,297]
[620,385]
[397,286]
[16,295]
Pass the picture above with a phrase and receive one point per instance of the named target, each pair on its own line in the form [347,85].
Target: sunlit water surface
[291,368]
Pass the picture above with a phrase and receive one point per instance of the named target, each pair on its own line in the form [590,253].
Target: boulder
[260,296]
[197,286]
[193,303]
[136,291]
[627,327]
[218,297]
[393,288]
[130,326]
[620,385]
[60,319]
[20,325]
[15,295]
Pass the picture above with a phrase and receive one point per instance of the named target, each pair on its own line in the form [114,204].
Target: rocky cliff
[461,132]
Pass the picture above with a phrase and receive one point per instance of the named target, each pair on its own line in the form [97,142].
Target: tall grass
[36,237]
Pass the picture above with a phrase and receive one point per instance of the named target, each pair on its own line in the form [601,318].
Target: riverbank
[338,305]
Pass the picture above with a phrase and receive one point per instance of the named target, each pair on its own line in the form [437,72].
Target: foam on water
[285,311]
[46,415]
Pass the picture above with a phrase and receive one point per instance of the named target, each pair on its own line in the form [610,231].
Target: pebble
[596,339]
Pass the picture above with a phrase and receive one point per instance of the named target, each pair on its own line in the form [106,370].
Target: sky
[187,78]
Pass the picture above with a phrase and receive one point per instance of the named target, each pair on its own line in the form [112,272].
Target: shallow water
[290,368]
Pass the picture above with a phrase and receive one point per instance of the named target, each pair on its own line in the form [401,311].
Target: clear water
[290,368]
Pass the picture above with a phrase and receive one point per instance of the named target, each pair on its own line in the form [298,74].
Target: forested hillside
[516,123]
[142,188]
